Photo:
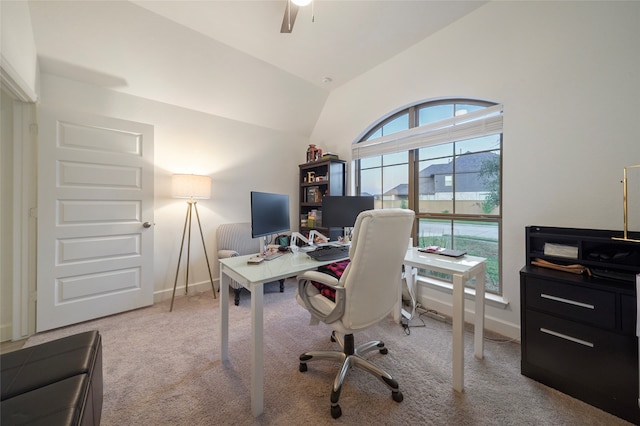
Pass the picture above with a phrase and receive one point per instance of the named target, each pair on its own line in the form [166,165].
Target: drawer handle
[564,336]
[571,302]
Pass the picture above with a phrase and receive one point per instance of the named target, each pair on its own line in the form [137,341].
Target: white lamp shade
[191,186]
[301,2]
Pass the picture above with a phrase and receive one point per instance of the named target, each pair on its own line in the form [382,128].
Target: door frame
[24,197]
[24,200]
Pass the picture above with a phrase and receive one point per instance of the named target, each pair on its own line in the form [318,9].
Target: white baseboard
[496,325]
[165,294]
[5,332]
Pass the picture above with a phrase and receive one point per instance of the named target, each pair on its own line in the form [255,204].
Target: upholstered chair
[365,294]
[234,239]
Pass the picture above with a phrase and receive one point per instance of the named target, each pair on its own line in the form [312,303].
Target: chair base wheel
[302,367]
[336,411]
[397,396]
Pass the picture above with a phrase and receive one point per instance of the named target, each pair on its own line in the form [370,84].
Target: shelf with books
[319,179]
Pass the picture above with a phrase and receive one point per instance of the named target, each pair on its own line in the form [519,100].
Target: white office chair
[365,294]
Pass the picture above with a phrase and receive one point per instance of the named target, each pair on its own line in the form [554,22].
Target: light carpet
[164,368]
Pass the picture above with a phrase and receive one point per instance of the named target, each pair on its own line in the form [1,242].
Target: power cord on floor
[406,325]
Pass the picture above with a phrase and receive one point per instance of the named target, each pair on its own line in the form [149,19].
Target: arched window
[442,159]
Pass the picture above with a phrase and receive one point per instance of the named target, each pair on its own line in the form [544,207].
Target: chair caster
[384,351]
[302,367]
[397,396]
[336,411]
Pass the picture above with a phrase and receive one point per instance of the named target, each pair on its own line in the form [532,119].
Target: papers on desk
[442,251]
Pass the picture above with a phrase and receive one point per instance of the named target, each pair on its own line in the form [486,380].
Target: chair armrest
[308,293]
[223,254]
[319,277]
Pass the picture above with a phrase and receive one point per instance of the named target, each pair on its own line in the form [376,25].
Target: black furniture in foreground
[54,383]
[579,330]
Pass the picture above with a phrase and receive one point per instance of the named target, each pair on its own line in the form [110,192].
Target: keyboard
[325,253]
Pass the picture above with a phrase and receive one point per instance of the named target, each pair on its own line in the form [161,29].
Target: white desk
[462,269]
[252,277]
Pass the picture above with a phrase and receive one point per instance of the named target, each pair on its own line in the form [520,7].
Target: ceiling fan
[290,13]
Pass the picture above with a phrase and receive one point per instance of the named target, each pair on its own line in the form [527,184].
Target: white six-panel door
[95,217]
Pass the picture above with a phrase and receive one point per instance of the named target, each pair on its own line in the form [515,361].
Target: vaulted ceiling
[228,58]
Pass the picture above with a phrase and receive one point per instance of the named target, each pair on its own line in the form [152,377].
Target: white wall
[568,74]
[18,49]
[239,158]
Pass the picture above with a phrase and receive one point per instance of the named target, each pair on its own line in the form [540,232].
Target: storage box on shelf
[319,179]
[579,330]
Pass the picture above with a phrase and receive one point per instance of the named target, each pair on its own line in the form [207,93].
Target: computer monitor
[342,211]
[269,214]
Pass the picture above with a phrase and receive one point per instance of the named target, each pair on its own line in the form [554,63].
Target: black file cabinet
[579,331]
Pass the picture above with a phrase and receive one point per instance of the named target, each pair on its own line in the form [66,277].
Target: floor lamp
[625,205]
[191,187]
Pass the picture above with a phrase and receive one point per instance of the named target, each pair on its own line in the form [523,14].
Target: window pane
[434,196]
[434,232]
[490,175]
[436,151]
[397,158]
[371,183]
[474,237]
[396,125]
[375,134]
[480,239]
[485,143]
[476,175]
[395,186]
[434,113]
[367,163]
[467,108]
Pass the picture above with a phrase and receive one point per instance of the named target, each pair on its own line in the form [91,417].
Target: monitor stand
[295,236]
[263,245]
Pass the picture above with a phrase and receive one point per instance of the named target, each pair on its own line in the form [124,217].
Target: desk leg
[224,315]
[410,278]
[257,350]
[458,332]
[397,311]
[478,333]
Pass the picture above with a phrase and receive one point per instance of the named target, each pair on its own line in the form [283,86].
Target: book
[313,194]
[329,156]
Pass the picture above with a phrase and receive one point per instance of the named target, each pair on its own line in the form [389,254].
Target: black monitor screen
[342,212]
[269,214]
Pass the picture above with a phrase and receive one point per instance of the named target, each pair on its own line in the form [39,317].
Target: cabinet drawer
[573,302]
[591,357]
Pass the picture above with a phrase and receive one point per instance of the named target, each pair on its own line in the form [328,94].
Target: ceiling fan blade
[290,13]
